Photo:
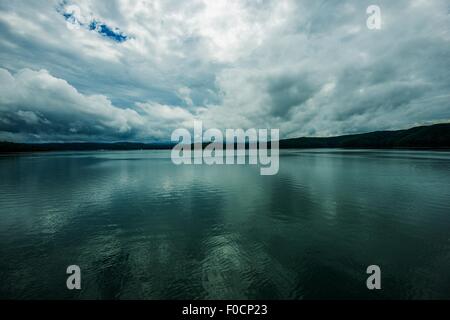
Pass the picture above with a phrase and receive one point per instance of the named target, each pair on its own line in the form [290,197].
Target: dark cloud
[288,91]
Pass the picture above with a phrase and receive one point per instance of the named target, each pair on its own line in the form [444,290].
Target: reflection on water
[141,228]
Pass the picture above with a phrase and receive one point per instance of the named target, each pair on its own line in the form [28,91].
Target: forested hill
[425,137]
[434,137]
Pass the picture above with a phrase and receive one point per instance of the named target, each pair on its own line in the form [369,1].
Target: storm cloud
[134,70]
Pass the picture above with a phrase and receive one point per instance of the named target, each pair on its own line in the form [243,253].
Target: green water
[141,228]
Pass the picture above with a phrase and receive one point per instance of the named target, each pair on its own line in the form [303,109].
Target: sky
[135,70]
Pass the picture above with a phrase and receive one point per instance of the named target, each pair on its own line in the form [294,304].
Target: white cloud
[306,68]
[38,104]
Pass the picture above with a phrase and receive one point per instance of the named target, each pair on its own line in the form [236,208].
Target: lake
[140,227]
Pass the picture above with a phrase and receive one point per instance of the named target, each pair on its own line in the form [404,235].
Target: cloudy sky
[134,70]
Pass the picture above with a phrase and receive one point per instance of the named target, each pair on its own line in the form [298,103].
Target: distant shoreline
[433,137]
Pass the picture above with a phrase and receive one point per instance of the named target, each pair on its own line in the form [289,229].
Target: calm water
[141,228]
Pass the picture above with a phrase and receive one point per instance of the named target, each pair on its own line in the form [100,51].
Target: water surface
[142,228]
